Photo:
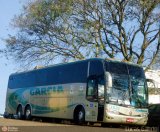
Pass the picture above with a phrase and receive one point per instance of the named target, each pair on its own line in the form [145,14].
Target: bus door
[95,97]
[92,101]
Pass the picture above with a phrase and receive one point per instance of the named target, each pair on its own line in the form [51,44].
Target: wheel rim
[19,114]
[28,112]
[80,115]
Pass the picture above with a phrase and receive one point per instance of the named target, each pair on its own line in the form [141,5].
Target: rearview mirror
[108,80]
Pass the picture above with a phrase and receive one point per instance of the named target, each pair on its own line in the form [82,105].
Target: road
[13,125]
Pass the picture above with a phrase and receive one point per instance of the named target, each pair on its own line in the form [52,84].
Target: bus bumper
[123,119]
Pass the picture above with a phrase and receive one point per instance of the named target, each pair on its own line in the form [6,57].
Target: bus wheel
[28,115]
[80,116]
[19,113]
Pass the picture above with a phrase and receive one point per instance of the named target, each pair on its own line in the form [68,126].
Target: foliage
[77,29]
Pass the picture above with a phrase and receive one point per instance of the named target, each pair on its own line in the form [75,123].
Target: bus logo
[130,113]
[91,105]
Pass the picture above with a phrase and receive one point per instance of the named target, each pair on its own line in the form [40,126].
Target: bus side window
[92,90]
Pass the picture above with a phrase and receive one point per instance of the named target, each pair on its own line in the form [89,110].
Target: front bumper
[123,119]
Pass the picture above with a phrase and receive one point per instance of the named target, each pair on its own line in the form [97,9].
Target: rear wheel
[28,115]
[19,113]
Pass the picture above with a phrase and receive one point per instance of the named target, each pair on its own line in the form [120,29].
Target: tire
[79,116]
[28,115]
[19,113]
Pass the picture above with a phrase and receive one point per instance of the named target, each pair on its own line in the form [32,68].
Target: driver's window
[101,87]
[92,89]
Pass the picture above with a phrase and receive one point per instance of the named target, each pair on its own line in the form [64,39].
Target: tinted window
[136,71]
[115,67]
[41,77]
[22,80]
[96,68]
[70,73]
[122,68]
[53,75]
[67,73]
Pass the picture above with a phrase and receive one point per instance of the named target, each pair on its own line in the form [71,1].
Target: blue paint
[141,110]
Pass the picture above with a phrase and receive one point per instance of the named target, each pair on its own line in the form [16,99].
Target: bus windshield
[128,85]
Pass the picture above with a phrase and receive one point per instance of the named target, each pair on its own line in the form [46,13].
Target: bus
[92,90]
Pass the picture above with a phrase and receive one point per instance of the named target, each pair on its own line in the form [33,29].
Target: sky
[8,8]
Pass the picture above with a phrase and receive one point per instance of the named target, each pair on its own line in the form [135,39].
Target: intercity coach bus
[93,90]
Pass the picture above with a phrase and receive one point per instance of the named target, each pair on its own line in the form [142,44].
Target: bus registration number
[129,120]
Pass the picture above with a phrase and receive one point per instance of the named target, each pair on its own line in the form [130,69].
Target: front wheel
[80,116]
[28,115]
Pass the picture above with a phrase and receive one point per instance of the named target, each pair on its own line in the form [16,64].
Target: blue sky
[8,8]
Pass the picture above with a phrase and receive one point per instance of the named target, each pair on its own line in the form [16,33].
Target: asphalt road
[13,125]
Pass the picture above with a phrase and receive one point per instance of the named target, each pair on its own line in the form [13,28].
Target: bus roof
[60,64]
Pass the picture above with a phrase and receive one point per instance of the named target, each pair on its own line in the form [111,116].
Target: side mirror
[108,80]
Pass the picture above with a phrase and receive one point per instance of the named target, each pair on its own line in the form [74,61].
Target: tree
[77,29]
[1,51]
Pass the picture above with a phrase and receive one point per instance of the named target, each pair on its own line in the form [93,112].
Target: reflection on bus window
[101,89]
[138,92]
[92,92]
[119,93]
